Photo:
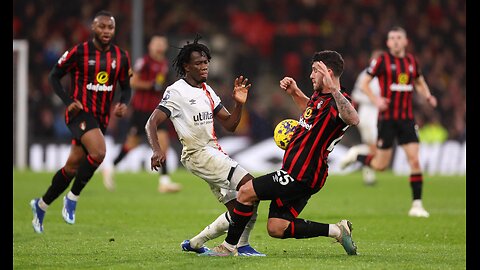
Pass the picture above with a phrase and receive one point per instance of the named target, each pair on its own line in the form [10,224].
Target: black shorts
[288,196]
[405,131]
[138,121]
[83,122]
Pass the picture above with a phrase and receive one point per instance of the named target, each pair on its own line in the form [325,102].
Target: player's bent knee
[380,166]
[70,170]
[276,227]
[275,231]
[246,194]
[98,156]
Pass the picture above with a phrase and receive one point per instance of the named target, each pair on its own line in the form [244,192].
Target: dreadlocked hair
[183,56]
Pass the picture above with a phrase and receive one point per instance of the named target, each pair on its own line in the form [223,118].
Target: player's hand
[327,80]
[74,107]
[240,89]
[382,103]
[158,157]
[432,100]
[120,109]
[289,85]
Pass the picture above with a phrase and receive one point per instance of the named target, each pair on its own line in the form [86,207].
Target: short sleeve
[170,101]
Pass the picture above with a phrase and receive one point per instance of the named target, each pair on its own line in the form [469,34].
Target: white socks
[165,179]
[417,203]
[220,227]
[212,231]
[72,196]
[42,204]
[333,231]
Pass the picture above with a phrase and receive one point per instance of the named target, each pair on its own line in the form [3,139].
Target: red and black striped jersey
[94,76]
[396,77]
[319,129]
[149,69]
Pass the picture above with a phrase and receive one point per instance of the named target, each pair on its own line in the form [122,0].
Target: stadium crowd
[264,40]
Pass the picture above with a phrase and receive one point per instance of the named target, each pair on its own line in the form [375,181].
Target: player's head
[103,28]
[157,47]
[332,60]
[397,40]
[192,61]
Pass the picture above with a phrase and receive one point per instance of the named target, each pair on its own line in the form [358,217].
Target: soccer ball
[283,132]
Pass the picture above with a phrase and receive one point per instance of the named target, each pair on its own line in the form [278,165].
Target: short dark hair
[397,28]
[183,56]
[331,59]
[103,13]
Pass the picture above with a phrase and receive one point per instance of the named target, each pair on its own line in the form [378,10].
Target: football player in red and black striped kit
[149,80]
[326,116]
[95,67]
[398,74]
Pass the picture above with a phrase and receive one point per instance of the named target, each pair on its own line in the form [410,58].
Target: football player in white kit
[368,114]
[192,105]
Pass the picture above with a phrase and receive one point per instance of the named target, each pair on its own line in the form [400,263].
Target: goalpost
[20,103]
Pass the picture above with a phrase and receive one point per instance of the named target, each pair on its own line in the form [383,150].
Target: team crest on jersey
[82,125]
[114,64]
[319,105]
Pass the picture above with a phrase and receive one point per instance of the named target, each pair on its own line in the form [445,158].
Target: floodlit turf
[135,227]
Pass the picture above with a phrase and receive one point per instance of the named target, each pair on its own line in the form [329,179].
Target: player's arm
[55,78]
[345,109]
[424,90]
[290,87]
[120,108]
[138,84]
[229,120]
[126,92]
[157,117]
[380,102]
[365,87]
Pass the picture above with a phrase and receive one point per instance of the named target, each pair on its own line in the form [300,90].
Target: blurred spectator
[265,40]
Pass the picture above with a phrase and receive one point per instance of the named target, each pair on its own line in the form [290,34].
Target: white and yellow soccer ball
[283,132]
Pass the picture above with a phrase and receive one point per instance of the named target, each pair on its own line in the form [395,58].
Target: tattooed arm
[331,84]
[347,112]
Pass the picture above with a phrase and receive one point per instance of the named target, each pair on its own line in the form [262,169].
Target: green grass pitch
[135,227]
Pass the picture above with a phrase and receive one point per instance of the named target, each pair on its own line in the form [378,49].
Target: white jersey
[191,112]
[359,96]
[367,111]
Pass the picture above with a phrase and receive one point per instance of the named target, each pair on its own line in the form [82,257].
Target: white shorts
[368,115]
[221,172]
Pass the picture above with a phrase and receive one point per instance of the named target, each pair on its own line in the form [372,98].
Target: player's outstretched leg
[417,210]
[220,251]
[68,211]
[352,153]
[38,215]
[345,238]
[185,245]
